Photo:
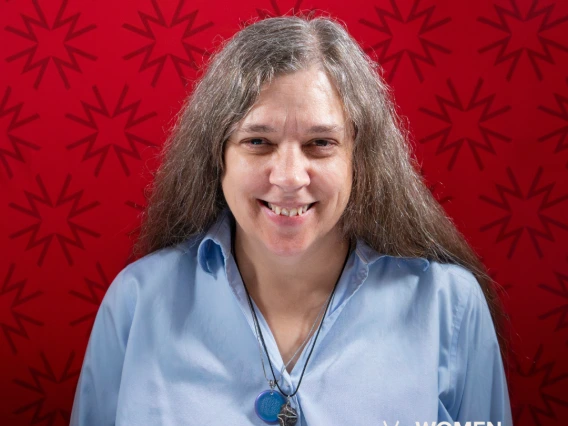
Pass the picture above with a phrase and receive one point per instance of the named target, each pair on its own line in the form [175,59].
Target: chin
[286,249]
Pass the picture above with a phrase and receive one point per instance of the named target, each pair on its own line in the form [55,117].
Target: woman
[298,270]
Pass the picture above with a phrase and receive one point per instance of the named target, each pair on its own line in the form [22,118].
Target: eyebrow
[264,128]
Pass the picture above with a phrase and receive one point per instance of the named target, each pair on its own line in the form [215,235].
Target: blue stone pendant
[268,404]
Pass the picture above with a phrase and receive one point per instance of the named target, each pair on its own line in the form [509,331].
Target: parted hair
[390,207]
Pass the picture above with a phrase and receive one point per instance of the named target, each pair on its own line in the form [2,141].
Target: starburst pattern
[93,294]
[394,46]
[149,22]
[436,189]
[136,206]
[62,61]
[134,233]
[560,311]
[539,376]
[516,26]
[41,204]
[127,135]
[12,292]
[513,191]
[562,131]
[13,114]
[277,10]
[477,134]
[46,385]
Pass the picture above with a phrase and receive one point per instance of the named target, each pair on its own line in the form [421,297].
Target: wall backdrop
[88,90]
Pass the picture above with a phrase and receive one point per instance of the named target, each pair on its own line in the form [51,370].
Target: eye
[321,142]
[257,145]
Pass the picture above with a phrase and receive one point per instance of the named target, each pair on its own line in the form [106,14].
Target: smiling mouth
[282,211]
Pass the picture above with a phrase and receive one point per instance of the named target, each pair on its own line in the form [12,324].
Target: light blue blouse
[404,340]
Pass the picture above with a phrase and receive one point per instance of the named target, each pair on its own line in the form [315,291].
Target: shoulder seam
[458,273]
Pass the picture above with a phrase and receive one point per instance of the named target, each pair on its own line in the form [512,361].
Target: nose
[289,169]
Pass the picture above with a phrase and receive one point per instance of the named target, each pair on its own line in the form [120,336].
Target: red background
[88,90]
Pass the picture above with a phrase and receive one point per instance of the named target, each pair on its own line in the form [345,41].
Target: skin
[290,268]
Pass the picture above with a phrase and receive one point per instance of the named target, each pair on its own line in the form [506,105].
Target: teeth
[291,212]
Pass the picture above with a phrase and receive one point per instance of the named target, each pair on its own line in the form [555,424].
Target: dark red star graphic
[12,300]
[53,393]
[435,188]
[165,37]
[524,33]
[138,211]
[538,390]
[51,42]
[59,214]
[523,211]
[561,113]
[396,38]
[10,146]
[467,124]
[93,295]
[134,233]
[560,311]
[135,205]
[139,208]
[277,11]
[108,130]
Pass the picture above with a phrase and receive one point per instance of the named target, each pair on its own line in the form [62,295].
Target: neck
[290,287]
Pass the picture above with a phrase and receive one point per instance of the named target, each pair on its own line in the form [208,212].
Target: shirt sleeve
[96,394]
[476,368]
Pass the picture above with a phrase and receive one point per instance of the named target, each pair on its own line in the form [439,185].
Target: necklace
[284,367]
[270,405]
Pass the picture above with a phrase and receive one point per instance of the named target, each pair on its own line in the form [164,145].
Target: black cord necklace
[270,405]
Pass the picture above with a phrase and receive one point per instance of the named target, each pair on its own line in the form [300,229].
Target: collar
[215,247]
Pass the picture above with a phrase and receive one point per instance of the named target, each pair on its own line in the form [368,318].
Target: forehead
[304,101]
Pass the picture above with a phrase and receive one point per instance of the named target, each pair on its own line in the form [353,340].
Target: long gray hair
[390,207]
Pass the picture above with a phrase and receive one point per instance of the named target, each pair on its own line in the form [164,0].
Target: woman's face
[293,149]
